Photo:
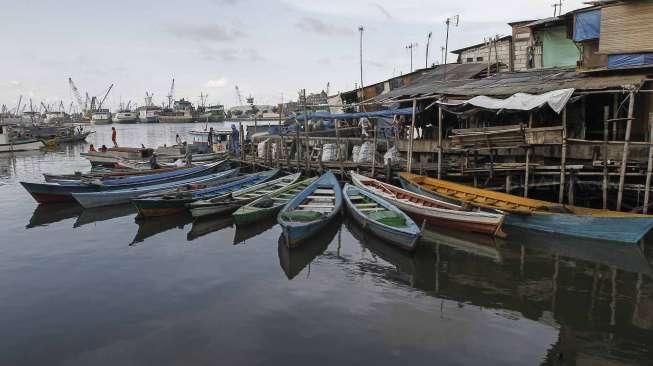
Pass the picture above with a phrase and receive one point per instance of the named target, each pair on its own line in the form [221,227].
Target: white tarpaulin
[556,99]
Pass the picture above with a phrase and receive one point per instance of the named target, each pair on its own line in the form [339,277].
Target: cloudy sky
[266,47]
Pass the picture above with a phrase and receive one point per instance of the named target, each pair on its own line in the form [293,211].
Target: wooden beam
[563,157]
[649,169]
[411,136]
[624,157]
[606,132]
[374,153]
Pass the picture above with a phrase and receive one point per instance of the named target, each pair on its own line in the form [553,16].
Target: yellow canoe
[501,201]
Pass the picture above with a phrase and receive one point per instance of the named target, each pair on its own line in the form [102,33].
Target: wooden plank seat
[324,191]
[366,205]
[309,206]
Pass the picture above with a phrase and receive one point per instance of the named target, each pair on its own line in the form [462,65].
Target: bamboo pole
[649,169]
[338,150]
[563,157]
[440,115]
[374,153]
[411,137]
[624,158]
[606,132]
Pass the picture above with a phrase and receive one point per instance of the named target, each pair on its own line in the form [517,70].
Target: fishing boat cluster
[209,184]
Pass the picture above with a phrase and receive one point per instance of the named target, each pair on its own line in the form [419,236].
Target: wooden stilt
[411,137]
[508,183]
[563,157]
[440,115]
[572,184]
[624,157]
[527,167]
[606,132]
[649,169]
[374,153]
[615,115]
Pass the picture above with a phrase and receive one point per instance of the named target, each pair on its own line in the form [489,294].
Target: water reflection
[294,260]
[246,232]
[45,215]
[205,226]
[157,225]
[98,214]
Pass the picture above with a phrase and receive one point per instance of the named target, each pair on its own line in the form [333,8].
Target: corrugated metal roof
[505,84]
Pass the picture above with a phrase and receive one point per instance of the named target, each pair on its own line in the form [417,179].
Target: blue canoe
[310,210]
[62,192]
[381,217]
[118,196]
[614,226]
[168,203]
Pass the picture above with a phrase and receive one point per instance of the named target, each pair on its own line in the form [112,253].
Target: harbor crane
[76,94]
[45,108]
[105,97]
[20,100]
[171,94]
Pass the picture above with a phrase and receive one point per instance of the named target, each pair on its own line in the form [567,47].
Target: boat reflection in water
[598,295]
[294,260]
[475,244]
[208,225]
[153,226]
[45,215]
[98,214]
[251,230]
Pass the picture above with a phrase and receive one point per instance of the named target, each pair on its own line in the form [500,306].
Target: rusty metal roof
[505,84]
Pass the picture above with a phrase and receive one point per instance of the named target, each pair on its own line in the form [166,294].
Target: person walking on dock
[113,137]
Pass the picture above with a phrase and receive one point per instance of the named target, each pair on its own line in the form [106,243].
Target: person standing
[178,140]
[210,139]
[188,156]
[113,137]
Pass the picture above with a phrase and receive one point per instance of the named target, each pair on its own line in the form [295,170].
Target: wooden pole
[440,115]
[527,169]
[572,183]
[374,153]
[649,169]
[508,183]
[338,152]
[242,140]
[411,136]
[624,157]
[563,157]
[615,115]
[606,132]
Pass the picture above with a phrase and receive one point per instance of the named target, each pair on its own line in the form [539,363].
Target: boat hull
[624,229]
[628,230]
[160,207]
[403,240]
[21,146]
[54,193]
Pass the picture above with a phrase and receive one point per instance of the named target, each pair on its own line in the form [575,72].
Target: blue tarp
[389,113]
[629,60]
[588,25]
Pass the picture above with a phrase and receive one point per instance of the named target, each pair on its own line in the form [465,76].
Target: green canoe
[270,204]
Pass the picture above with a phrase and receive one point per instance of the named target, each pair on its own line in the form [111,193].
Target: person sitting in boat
[103,148]
[154,164]
[188,157]
[91,148]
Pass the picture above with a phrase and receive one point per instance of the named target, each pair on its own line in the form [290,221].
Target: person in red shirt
[113,137]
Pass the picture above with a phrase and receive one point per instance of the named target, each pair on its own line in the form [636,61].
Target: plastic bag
[391,154]
[354,153]
[329,152]
[261,147]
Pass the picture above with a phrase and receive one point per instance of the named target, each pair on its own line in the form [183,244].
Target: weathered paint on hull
[459,225]
[618,229]
[50,193]
[257,215]
[402,240]
[296,235]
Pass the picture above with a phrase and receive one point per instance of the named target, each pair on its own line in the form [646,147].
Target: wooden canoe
[311,210]
[118,196]
[381,217]
[431,211]
[228,203]
[176,200]
[539,215]
[268,205]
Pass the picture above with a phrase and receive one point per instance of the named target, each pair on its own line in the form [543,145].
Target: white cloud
[217,83]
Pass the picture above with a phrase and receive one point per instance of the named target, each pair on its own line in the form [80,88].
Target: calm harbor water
[95,287]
